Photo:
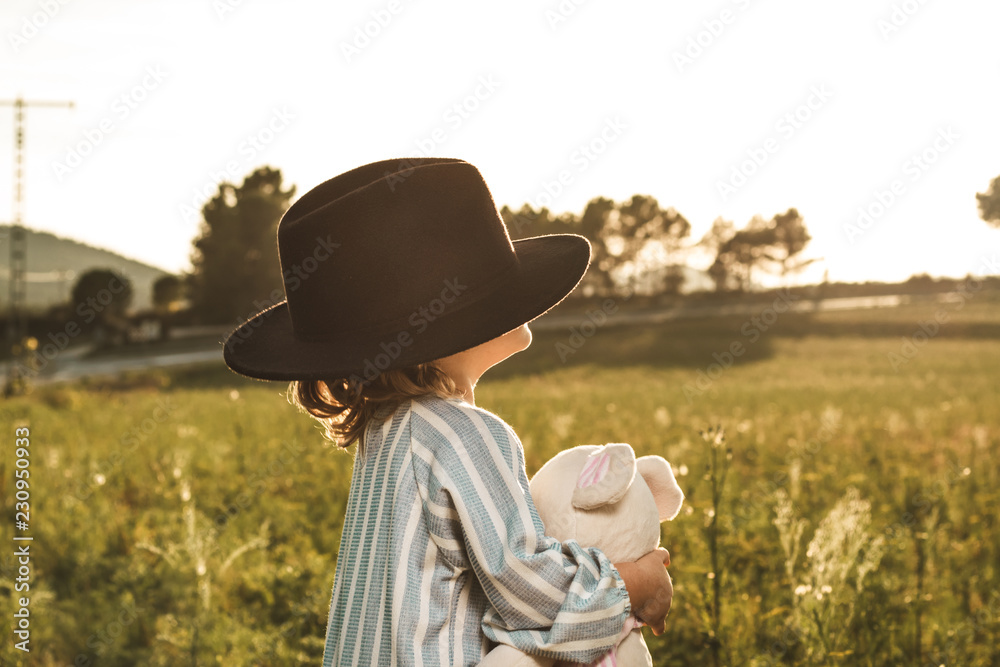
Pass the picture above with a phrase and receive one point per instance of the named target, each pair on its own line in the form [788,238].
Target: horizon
[756,286]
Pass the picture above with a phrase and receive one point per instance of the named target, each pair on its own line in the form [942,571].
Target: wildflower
[844,551]
[715,436]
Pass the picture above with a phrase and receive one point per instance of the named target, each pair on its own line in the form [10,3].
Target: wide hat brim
[547,269]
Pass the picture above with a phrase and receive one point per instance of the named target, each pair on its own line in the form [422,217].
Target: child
[384,338]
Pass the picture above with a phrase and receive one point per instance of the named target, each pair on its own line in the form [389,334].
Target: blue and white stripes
[443,552]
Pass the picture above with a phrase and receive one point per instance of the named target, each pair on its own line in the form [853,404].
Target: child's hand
[649,588]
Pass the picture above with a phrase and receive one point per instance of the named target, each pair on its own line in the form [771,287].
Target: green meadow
[848,516]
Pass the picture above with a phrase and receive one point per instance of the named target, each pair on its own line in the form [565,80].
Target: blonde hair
[346,406]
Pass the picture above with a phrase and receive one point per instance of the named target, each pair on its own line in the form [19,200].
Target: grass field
[848,518]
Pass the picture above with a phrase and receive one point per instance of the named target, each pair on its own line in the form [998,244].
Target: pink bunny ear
[660,480]
[605,477]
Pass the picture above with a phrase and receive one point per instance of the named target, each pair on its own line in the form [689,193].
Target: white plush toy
[593,495]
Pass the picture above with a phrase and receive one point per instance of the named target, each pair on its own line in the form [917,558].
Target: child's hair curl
[346,406]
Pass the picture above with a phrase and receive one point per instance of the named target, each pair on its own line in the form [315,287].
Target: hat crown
[372,247]
[397,263]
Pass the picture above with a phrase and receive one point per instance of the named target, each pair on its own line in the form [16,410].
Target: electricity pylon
[17,325]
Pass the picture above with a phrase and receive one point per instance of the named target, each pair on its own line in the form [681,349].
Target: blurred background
[794,296]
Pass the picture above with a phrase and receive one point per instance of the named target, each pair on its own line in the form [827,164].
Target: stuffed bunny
[593,495]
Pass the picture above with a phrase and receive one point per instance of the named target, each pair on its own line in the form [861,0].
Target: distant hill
[55,264]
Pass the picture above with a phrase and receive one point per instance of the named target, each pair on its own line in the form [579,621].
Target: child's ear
[606,476]
[660,480]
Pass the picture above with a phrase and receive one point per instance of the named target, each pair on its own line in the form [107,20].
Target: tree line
[637,245]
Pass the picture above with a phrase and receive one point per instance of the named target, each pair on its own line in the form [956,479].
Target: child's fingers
[657,617]
[655,610]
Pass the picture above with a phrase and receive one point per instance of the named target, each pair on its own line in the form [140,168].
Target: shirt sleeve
[549,598]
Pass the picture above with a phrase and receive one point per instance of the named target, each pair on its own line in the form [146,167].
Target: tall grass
[193,518]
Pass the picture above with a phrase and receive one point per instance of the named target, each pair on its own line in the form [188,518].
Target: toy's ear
[660,480]
[606,476]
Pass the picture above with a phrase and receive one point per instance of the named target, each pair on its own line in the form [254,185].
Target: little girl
[383,338]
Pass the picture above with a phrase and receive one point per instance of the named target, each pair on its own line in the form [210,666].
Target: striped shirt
[443,553]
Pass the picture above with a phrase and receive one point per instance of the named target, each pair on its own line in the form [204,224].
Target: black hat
[396,263]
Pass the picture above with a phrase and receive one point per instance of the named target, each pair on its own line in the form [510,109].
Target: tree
[235,256]
[640,237]
[102,297]
[167,291]
[721,232]
[630,242]
[790,238]
[989,203]
[528,222]
[738,255]
[595,216]
[771,244]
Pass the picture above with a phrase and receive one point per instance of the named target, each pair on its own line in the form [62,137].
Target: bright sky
[726,108]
